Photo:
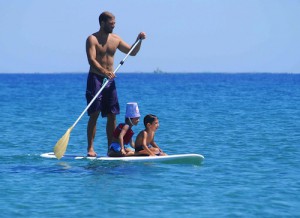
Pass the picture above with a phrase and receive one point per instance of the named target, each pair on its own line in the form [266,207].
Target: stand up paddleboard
[195,159]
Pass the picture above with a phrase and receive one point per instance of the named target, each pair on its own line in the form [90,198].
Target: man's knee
[94,116]
[111,117]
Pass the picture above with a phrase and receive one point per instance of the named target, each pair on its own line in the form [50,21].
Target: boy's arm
[121,136]
[148,150]
[153,143]
[132,143]
[145,145]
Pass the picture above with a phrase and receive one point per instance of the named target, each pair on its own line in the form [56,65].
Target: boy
[144,143]
[123,133]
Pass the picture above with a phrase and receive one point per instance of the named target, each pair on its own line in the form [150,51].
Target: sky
[182,35]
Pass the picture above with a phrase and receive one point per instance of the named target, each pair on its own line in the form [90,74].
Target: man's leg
[110,127]
[91,132]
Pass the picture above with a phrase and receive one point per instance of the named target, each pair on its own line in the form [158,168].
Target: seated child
[144,143]
[123,133]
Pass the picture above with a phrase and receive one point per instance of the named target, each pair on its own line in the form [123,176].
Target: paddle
[61,145]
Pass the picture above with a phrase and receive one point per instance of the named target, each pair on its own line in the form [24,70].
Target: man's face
[109,25]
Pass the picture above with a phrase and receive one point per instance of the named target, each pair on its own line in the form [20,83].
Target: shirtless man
[100,49]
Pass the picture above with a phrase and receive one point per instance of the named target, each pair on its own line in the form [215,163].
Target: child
[123,133]
[144,143]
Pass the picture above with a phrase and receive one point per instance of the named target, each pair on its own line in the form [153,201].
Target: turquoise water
[246,125]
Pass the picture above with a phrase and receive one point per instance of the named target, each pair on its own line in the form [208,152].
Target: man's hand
[142,35]
[109,74]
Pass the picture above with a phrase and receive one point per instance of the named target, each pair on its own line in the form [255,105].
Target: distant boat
[157,70]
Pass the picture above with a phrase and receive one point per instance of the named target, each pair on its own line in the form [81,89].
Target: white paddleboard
[195,159]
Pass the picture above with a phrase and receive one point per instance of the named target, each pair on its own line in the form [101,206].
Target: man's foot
[92,154]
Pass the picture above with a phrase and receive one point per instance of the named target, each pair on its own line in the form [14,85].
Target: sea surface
[247,126]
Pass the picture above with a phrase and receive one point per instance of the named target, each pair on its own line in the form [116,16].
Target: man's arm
[125,48]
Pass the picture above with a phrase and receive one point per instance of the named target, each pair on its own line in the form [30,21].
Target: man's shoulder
[115,36]
[97,34]
[92,36]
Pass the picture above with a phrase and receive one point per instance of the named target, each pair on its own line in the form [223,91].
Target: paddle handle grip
[103,86]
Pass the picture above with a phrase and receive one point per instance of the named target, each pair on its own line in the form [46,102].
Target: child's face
[135,121]
[154,125]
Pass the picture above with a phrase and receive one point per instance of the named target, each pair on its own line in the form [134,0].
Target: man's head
[107,21]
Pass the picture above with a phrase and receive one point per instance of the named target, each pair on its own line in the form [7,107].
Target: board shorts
[140,148]
[116,147]
[107,101]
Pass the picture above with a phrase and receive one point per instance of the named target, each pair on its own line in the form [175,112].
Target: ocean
[246,125]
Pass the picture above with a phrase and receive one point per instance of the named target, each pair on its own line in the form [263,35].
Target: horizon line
[160,72]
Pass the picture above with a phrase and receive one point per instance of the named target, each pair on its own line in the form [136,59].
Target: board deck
[195,159]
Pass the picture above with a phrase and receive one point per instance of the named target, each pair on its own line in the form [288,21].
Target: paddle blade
[61,146]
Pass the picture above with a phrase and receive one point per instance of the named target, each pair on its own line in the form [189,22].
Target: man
[100,48]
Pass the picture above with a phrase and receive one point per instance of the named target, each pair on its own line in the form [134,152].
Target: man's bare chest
[106,49]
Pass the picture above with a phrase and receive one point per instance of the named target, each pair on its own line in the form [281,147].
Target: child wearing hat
[144,143]
[122,135]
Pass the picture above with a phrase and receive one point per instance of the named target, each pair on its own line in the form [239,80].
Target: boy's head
[132,110]
[150,118]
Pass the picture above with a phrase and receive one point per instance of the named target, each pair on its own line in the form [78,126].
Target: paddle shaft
[103,86]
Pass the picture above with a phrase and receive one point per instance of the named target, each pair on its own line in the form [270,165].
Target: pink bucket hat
[132,110]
